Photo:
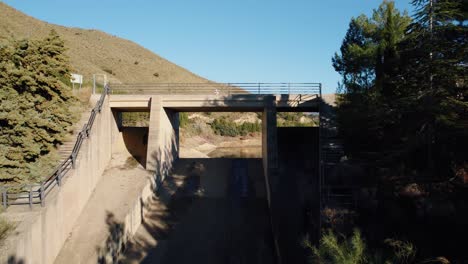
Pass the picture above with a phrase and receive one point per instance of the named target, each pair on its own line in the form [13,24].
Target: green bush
[293,119]
[183,119]
[227,128]
[339,249]
[135,119]
[336,250]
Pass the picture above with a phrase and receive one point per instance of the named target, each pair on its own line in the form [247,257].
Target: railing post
[30,197]
[73,158]
[258,88]
[4,197]
[320,90]
[42,195]
[59,177]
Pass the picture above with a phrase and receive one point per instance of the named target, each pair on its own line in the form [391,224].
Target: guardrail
[36,193]
[218,88]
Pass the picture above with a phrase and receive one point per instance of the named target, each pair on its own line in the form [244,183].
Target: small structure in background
[99,78]
[76,78]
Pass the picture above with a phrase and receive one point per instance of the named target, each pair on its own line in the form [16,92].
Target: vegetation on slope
[5,227]
[225,127]
[36,106]
[296,119]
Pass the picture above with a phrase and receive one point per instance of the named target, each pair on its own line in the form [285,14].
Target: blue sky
[224,41]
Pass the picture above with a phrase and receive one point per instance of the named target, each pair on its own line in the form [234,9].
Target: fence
[36,193]
[217,88]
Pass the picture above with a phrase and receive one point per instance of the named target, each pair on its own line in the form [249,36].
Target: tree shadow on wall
[162,162]
[161,214]
[15,260]
[115,242]
[121,247]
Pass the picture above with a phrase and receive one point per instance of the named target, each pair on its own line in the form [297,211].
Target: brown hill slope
[93,51]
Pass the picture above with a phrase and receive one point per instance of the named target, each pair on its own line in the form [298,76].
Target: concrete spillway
[211,211]
[230,214]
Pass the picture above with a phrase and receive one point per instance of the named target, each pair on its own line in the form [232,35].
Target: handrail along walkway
[36,193]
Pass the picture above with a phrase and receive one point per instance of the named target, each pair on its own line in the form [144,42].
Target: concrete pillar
[270,165]
[163,139]
[270,145]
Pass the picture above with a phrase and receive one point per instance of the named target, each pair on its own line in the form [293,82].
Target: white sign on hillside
[76,78]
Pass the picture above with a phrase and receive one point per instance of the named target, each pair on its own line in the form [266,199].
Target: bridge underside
[163,131]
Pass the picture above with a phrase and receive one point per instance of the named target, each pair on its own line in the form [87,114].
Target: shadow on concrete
[239,103]
[136,142]
[115,242]
[298,177]
[15,260]
[199,216]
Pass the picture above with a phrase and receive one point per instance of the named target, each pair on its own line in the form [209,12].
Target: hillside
[93,51]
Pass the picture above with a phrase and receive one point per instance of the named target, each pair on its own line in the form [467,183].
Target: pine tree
[34,108]
[435,71]
[368,62]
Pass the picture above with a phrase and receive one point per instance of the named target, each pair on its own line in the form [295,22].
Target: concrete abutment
[163,139]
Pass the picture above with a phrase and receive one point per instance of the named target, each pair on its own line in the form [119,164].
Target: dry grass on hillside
[93,51]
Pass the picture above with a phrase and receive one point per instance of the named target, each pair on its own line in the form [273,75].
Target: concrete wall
[298,180]
[270,165]
[163,139]
[269,145]
[41,232]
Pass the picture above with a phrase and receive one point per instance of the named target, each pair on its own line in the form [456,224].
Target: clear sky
[223,40]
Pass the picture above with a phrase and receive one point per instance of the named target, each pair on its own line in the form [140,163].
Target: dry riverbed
[221,147]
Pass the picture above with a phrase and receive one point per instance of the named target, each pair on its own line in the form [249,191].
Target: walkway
[121,182]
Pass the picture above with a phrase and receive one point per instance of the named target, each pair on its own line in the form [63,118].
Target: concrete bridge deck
[221,103]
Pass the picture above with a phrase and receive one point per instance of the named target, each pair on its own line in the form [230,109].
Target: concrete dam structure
[48,237]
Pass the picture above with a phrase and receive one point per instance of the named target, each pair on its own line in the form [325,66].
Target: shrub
[336,250]
[226,128]
[135,119]
[183,119]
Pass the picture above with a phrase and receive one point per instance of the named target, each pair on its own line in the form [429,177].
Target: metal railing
[218,88]
[36,193]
